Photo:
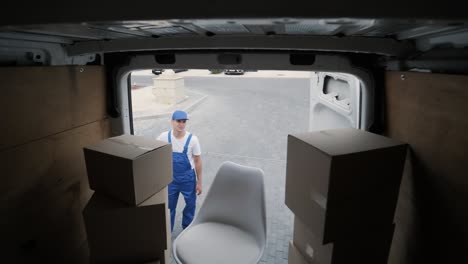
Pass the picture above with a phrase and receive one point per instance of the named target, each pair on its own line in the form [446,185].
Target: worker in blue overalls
[187,167]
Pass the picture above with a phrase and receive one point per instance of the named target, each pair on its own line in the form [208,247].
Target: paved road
[247,120]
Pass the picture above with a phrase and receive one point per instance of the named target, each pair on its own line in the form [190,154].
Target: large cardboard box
[118,233]
[366,246]
[339,181]
[310,245]
[366,249]
[294,256]
[165,258]
[129,168]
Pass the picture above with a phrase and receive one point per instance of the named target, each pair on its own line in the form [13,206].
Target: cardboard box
[294,256]
[129,168]
[118,233]
[373,252]
[310,245]
[368,246]
[165,259]
[342,180]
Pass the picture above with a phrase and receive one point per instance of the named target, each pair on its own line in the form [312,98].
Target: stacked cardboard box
[342,185]
[127,218]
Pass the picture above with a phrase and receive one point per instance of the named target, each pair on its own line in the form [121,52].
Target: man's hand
[198,171]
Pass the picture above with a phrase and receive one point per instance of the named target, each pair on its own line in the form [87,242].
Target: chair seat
[193,247]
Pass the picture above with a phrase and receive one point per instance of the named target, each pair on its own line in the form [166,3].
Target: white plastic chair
[230,226]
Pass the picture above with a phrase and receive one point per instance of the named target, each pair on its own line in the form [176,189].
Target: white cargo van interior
[398,70]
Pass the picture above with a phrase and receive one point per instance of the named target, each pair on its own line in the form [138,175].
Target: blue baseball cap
[179,115]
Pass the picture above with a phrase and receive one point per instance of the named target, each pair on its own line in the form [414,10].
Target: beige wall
[47,114]
[430,112]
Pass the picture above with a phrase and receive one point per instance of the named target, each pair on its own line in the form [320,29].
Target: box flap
[127,146]
[336,142]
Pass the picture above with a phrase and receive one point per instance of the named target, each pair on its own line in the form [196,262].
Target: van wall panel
[429,111]
[44,199]
[44,184]
[40,101]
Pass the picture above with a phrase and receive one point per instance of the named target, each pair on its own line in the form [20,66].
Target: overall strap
[187,143]
[169,137]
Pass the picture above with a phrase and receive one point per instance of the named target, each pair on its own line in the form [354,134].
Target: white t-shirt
[178,145]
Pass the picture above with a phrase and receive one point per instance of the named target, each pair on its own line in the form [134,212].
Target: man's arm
[198,170]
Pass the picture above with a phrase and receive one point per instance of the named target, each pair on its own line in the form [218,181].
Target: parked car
[234,72]
[159,71]
[215,71]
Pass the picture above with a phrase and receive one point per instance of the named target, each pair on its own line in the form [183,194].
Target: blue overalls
[184,181]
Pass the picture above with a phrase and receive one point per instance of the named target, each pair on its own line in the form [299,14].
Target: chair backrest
[236,197]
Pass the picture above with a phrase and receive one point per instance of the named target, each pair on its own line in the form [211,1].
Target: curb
[168,114]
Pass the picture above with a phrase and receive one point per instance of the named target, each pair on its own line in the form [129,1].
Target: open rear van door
[334,101]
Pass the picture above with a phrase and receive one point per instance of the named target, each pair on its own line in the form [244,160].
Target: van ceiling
[401,36]
[398,29]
